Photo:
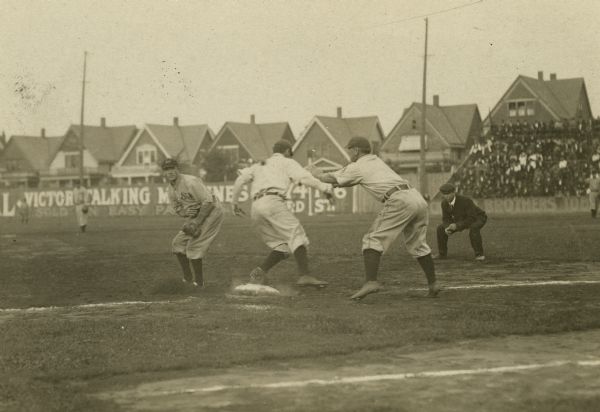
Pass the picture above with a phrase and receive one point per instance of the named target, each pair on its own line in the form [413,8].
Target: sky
[208,62]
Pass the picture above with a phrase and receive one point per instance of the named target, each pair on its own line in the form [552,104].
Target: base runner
[277,226]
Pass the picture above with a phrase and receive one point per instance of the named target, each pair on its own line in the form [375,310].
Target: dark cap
[447,188]
[360,142]
[169,164]
[281,146]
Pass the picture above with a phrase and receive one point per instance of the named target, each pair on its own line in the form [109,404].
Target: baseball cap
[360,142]
[169,164]
[281,146]
[447,188]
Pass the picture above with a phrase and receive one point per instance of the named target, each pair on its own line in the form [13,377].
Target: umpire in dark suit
[459,213]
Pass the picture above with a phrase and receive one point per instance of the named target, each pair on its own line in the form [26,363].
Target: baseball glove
[191,228]
[85,209]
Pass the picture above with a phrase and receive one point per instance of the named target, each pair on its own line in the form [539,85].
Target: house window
[411,143]
[12,165]
[72,160]
[521,108]
[146,154]
[231,153]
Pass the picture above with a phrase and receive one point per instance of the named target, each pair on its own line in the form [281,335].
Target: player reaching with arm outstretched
[277,226]
[191,199]
[404,211]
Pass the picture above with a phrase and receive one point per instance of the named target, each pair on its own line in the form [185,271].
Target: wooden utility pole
[422,172]
[81,170]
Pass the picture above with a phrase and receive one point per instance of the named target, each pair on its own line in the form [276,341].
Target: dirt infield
[101,322]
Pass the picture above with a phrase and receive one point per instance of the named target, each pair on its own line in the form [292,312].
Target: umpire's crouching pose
[192,199]
[459,213]
[404,211]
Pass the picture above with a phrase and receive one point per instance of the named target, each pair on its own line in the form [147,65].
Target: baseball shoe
[434,291]
[306,280]
[480,258]
[257,276]
[438,256]
[369,287]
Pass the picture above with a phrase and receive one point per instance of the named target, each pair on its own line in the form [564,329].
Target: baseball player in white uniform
[594,192]
[404,211]
[277,226]
[191,199]
[81,200]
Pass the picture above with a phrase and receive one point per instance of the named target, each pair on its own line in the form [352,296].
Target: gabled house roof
[35,150]
[173,140]
[341,129]
[559,96]
[257,139]
[106,144]
[452,123]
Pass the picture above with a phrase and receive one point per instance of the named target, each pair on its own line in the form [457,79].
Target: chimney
[176,121]
[43,133]
[103,121]
[339,112]
[436,100]
[552,76]
[252,119]
[540,75]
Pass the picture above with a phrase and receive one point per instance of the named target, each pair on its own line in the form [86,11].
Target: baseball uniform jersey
[276,225]
[405,211]
[81,199]
[188,192]
[594,191]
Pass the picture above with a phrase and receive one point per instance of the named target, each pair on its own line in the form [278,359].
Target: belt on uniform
[389,193]
[267,192]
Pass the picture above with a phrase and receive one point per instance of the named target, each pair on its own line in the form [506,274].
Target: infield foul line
[377,378]
[518,284]
[92,305]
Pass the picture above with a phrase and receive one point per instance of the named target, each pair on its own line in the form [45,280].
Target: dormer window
[146,155]
[521,108]
[231,153]
[72,160]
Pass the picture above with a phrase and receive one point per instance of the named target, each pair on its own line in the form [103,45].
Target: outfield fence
[152,200]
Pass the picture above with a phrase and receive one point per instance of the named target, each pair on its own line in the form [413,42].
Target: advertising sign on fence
[151,200]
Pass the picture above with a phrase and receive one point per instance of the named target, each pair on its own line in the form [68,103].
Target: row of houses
[128,154]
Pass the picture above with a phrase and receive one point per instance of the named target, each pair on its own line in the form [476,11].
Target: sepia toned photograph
[299,205]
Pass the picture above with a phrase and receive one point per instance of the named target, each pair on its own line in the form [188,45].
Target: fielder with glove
[192,200]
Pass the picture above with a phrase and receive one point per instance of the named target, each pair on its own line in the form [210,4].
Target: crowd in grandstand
[536,159]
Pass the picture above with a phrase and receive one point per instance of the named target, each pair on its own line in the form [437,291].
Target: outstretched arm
[244,178]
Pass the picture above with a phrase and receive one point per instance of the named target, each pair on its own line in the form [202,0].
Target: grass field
[101,322]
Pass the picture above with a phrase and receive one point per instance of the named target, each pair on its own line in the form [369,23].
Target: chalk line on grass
[376,378]
[517,284]
[92,306]
[258,307]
